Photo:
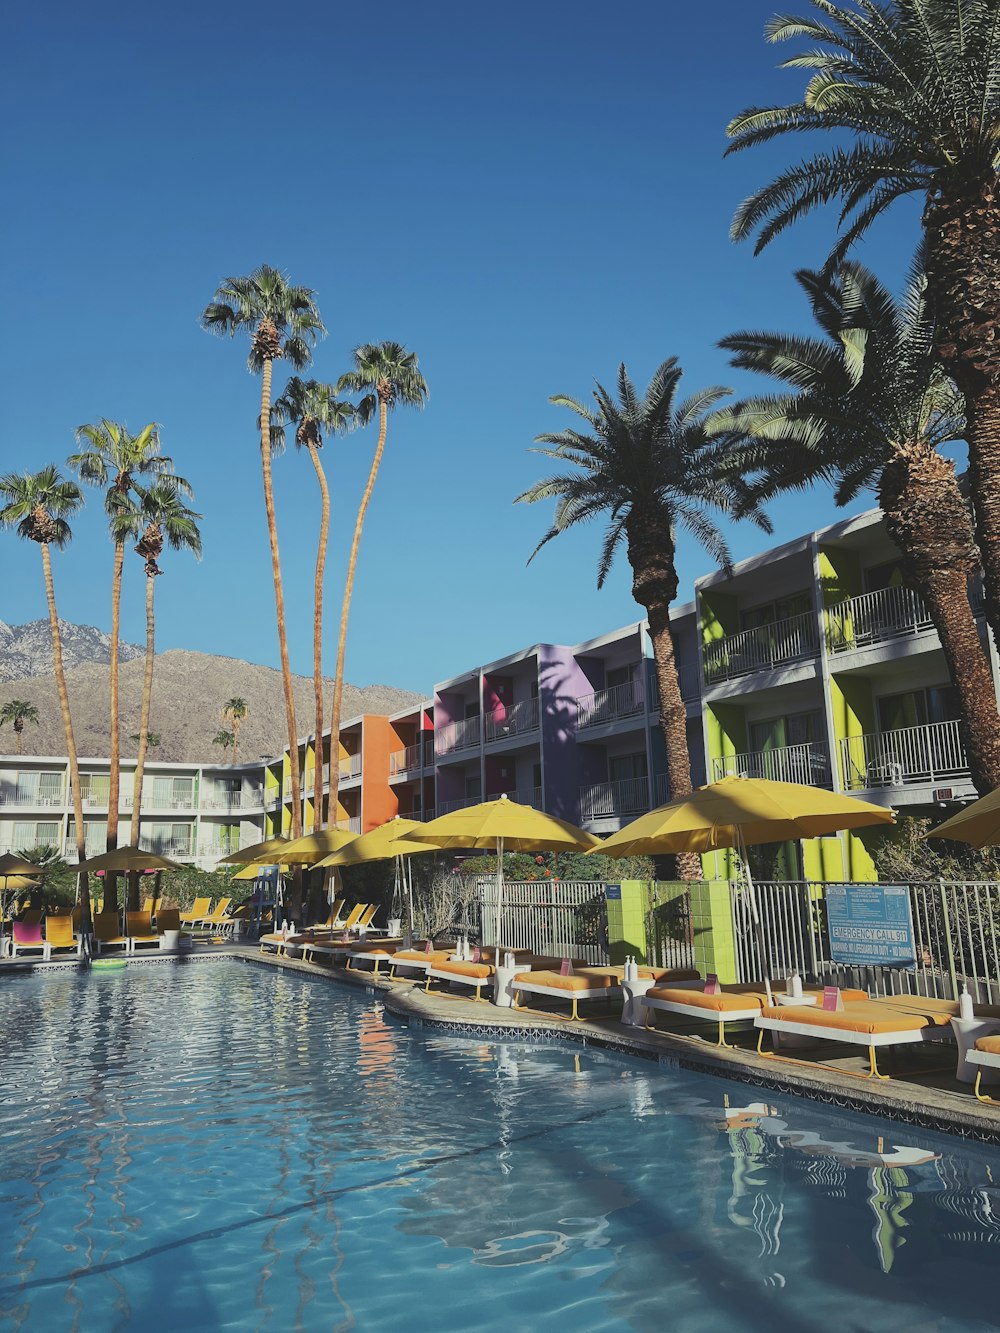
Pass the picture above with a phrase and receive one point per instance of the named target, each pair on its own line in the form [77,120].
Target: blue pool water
[216,1146]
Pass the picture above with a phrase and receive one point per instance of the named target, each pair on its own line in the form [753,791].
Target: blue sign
[613,892]
[870,925]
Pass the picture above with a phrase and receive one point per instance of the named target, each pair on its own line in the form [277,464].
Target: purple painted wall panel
[561,683]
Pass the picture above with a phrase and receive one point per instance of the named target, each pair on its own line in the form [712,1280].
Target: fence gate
[956,928]
[568,919]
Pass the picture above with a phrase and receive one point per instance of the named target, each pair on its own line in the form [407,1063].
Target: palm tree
[647,463]
[17,712]
[315,407]
[869,405]
[917,84]
[283,321]
[225,739]
[385,374]
[153,738]
[234,711]
[40,504]
[112,458]
[167,521]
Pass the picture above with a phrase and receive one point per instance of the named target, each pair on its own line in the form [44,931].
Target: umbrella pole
[755,918]
[499,897]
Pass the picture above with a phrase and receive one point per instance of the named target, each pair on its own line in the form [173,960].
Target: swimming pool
[216,1146]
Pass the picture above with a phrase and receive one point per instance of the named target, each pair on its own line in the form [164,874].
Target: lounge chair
[418,960]
[107,933]
[217,920]
[139,929]
[366,918]
[201,908]
[458,972]
[377,952]
[332,922]
[585,982]
[27,937]
[60,934]
[169,918]
[731,1004]
[987,1056]
[892,1020]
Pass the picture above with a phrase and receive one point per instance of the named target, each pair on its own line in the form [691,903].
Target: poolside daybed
[589,983]
[987,1056]
[892,1020]
[730,1004]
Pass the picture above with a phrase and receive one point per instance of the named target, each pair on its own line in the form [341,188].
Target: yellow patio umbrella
[128,858]
[248,872]
[311,849]
[388,840]
[978,824]
[257,852]
[503,825]
[17,865]
[741,812]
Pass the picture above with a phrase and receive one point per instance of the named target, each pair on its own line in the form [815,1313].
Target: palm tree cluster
[283,322]
[867,403]
[144,502]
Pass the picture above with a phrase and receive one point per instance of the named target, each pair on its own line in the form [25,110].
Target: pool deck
[924,1092]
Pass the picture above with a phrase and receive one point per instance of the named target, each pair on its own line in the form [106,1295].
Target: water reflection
[305,1162]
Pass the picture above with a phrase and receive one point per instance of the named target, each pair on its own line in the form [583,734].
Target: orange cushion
[465,969]
[991,1045]
[420,956]
[742,996]
[866,1016]
[665,975]
[586,979]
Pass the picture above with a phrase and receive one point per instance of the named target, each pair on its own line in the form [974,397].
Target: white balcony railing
[349,823]
[404,761]
[522,795]
[761,648]
[606,800]
[462,735]
[233,800]
[512,720]
[462,803]
[927,754]
[875,617]
[687,679]
[808,763]
[350,767]
[609,705]
[31,801]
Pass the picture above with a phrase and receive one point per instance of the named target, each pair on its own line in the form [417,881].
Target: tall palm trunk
[67,720]
[345,610]
[963,270]
[279,595]
[115,762]
[927,518]
[324,532]
[654,586]
[140,763]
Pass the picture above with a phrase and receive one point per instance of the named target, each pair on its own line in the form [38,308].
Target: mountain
[189,690]
[26,650]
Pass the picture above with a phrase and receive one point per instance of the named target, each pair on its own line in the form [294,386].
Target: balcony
[523,796]
[687,680]
[610,705]
[31,801]
[610,800]
[350,767]
[462,803]
[405,761]
[463,735]
[807,763]
[761,649]
[349,823]
[875,617]
[910,755]
[233,800]
[512,720]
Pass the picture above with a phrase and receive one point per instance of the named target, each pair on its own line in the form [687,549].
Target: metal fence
[669,932]
[956,930]
[568,919]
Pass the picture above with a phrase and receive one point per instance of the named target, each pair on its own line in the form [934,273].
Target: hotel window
[626,767]
[783,608]
[918,708]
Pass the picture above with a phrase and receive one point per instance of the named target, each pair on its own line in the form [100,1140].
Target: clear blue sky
[524,194]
